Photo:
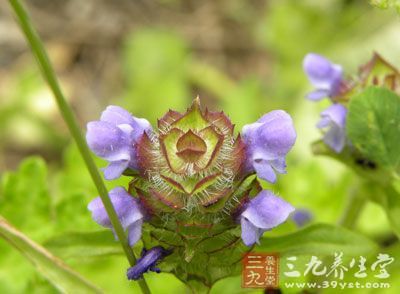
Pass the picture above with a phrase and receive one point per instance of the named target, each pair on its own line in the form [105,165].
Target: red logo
[260,270]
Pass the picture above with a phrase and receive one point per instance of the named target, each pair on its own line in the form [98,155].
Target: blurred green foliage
[47,200]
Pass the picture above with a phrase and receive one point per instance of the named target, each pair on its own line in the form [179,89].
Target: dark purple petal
[263,212]
[267,142]
[334,119]
[128,211]
[325,76]
[147,262]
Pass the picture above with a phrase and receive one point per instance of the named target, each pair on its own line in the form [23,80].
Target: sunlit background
[243,57]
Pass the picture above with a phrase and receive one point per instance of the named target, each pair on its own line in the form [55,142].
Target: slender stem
[353,209]
[68,116]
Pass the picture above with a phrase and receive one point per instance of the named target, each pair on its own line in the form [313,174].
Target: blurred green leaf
[385,4]
[84,245]
[322,239]
[373,126]
[58,273]
[24,195]
[392,206]
[155,65]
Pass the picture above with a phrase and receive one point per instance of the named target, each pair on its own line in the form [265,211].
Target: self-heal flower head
[334,120]
[263,213]
[147,262]
[195,176]
[267,142]
[128,209]
[325,76]
[114,138]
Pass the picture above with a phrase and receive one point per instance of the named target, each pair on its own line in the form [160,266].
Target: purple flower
[325,76]
[302,216]
[267,142]
[114,138]
[148,261]
[334,119]
[128,210]
[263,213]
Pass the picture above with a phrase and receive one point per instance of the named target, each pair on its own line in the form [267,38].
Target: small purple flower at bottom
[334,119]
[324,75]
[267,141]
[263,212]
[301,217]
[147,262]
[128,209]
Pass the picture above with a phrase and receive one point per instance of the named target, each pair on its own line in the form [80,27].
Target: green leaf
[84,245]
[57,272]
[373,126]
[25,193]
[319,239]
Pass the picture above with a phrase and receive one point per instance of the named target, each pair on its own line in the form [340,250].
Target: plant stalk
[69,118]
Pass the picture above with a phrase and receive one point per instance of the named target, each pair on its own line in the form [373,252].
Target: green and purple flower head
[193,181]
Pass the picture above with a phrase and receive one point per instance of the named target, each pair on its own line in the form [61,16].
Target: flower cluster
[192,179]
[328,80]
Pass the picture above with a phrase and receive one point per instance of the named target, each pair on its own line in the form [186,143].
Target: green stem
[353,209]
[68,116]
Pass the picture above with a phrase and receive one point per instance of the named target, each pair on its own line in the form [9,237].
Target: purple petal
[264,170]
[277,136]
[266,210]
[116,115]
[135,231]
[147,262]
[250,233]
[142,125]
[120,117]
[335,138]
[334,118]
[115,169]
[302,216]
[336,113]
[267,142]
[318,95]
[323,74]
[279,165]
[127,208]
[107,141]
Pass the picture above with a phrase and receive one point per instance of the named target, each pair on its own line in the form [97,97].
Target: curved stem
[69,118]
[353,209]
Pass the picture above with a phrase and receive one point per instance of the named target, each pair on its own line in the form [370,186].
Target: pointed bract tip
[196,102]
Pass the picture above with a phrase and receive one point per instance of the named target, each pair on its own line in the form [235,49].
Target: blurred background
[243,57]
